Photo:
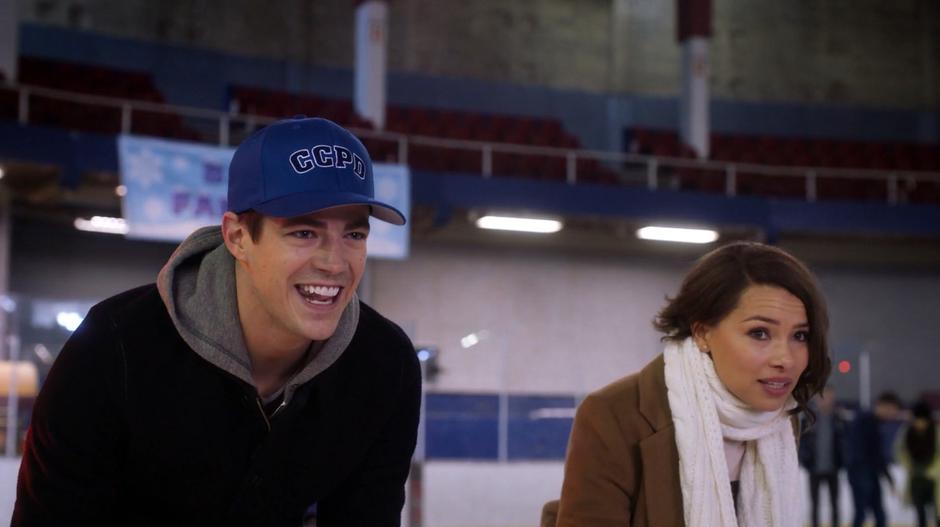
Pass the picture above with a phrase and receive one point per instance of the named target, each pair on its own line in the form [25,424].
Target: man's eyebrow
[361,223]
[301,221]
[772,321]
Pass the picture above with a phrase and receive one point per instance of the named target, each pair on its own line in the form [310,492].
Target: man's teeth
[320,290]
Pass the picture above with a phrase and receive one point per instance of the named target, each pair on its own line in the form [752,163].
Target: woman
[704,435]
[918,449]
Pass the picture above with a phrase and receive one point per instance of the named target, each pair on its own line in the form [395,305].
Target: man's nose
[329,257]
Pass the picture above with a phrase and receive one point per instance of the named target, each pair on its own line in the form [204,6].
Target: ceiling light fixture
[102,224]
[677,234]
[510,223]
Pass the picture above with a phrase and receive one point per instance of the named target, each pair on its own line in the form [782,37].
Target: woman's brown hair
[714,286]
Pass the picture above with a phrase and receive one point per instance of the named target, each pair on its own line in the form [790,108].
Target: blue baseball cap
[301,165]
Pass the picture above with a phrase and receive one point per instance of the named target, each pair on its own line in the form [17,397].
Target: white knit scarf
[705,413]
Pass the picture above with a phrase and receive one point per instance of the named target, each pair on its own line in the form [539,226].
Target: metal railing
[652,172]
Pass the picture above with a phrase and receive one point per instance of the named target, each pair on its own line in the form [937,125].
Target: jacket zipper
[267,422]
[263,416]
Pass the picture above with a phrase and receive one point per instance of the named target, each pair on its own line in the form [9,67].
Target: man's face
[300,273]
[886,410]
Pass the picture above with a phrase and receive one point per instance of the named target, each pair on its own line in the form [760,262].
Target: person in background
[705,434]
[917,448]
[821,453]
[865,459]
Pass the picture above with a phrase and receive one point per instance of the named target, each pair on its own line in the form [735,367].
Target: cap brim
[309,202]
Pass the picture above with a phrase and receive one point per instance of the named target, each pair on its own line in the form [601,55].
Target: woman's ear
[700,333]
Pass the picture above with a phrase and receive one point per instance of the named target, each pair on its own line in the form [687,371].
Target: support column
[5,218]
[9,40]
[694,32]
[371,51]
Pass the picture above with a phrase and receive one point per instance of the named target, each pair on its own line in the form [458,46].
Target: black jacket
[807,446]
[132,428]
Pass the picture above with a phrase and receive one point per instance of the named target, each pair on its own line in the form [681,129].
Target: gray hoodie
[197,285]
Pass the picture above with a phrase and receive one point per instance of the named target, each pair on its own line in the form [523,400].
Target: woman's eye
[759,333]
[801,336]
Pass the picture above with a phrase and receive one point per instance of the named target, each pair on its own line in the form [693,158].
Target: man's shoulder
[137,305]
[373,326]
[379,344]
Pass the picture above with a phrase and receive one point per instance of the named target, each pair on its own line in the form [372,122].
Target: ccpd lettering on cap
[327,156]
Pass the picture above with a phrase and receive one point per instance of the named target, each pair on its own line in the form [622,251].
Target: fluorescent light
[469,341]
[7,303]
[677,234]
[508,223]
[102,224]
[474,338]
[43,353]
[551,413]
[69,320]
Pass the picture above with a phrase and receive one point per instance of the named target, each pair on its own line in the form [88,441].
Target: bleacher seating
[448,124]
[801,152]
[94,80]
[499,129]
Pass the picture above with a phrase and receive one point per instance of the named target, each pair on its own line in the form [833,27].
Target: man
[865,459]
[249,386]
[821,454]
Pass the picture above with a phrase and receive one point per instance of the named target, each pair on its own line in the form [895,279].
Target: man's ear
[700,333]
[235,234]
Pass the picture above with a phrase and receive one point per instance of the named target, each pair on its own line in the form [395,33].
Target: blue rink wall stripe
[466,426]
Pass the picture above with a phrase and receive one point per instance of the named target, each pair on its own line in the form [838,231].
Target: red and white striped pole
[371,52]
[694,31]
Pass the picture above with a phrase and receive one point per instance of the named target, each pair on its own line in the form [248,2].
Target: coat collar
[659,454]
[653,402]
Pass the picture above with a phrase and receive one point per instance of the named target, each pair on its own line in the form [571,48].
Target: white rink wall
[466,494]
[9,467]
[462,494]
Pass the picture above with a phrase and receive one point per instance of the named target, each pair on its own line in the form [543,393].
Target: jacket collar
[658,452]
[653,402]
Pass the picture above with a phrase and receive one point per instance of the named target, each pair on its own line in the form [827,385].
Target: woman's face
[760,348]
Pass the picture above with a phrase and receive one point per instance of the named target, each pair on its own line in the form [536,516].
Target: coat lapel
[660,457]
[661,487]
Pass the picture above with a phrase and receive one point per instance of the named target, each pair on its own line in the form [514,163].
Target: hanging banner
[173,188]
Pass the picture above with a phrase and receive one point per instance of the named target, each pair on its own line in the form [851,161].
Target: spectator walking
[821,453]
[865,459]
[918,450]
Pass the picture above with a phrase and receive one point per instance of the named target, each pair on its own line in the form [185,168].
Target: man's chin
[320,330]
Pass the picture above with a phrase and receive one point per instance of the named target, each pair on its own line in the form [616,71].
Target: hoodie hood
[197,285]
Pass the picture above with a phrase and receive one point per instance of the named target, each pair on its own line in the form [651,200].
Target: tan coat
[622,466]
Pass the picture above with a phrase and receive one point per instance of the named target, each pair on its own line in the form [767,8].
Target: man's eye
[304,235]
[358,235]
